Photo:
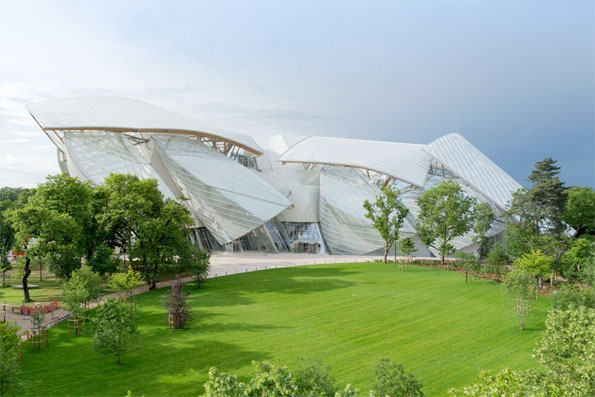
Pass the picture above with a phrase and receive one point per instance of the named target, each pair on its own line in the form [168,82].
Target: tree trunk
[4,279]
[385,252]
[466,276]
[443,256]
[26,280]
[154,280]
[146,272]
[40,272]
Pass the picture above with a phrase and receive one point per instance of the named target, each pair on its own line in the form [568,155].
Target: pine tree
[548,194]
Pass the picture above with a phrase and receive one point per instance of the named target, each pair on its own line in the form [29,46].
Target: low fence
[39,309]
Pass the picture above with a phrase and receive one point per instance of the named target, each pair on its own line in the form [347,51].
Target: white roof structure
[240,202]
[456,153]
[405,161]
[127,115]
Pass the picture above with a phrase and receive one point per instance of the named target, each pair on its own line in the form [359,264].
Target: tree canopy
[445,213]
[387,214]
[580,210]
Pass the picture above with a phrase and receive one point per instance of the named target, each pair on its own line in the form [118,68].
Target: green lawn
[350,315]
[49,289]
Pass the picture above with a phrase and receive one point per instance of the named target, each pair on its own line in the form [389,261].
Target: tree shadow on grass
[299,281]
[536,321]
[156,324]
[152,368]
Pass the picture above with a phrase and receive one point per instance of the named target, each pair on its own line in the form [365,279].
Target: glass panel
[231,200]
[98,154]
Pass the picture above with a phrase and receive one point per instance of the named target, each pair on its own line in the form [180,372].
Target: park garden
[516,318]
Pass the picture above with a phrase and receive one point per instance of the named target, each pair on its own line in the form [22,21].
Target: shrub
[314,379]
[177,307]
[570,295]
[10,367]
[587,273]
[220,384]
[567,349]
[505,383]
[391,380]
[497,261]
[310,379]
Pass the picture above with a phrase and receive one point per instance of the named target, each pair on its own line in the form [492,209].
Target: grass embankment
[350,315]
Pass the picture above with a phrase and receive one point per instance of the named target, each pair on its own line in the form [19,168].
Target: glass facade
[98,154]
[229,199]
[307,196]
[304,237]
[342,216]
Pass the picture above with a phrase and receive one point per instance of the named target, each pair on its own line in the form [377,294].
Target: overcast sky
[519,75]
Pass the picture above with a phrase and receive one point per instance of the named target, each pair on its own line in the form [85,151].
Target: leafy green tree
[83,288]
[520,285]
[580,253]
[199,264]
[535,215]
[506,383]
[6,240]
[387,214]
[536,263]
[467,261]
[567,349]
[406,248]
[115,328]
[391,380]
[142,225]
[10,198]
[445,213]
[5,266]
[129,201]
[497,261]
[178,309]
[580,210]
[163,240]
[123,283]
[71,196]
[10,366]
[41,233]
[103,259]
[483,217]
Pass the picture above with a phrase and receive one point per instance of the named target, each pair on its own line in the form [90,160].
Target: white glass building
[297,194]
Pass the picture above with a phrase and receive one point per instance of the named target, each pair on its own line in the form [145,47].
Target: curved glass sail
[98,154]
[231,200]
[342,215]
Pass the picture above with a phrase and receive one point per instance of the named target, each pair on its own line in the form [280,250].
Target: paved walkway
[222,264]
